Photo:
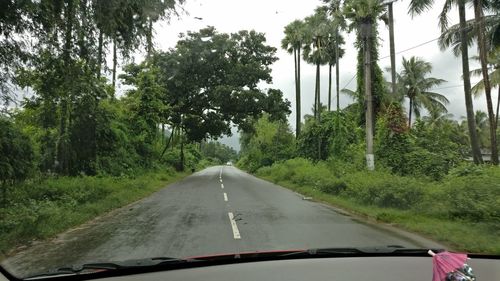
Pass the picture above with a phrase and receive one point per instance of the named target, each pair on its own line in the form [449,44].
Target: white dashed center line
[236,232]
[222,185]
[225,196]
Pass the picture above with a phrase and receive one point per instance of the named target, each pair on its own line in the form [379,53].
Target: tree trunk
[498,104]
[149,38]
[82,31]
[115,62]
[337,78]
[316,93]
[471,122]
[297,96]
[181,168]
[100,46]
[478,13]
[299,104]
[370,159]
[169,141]
[329,86]
[410,109]
[318,96]
[62,149]
[392,50]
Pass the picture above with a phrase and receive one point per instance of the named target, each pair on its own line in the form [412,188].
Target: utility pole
[366,30]
[392,50]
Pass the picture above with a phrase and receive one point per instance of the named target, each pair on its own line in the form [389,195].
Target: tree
[219,151]
[363,15]
[318,28]
[481,41]
[292,43]
[16,155]
[417,87]
[210,82]
[270,142]
[420,6]
[494,68]
[333,54]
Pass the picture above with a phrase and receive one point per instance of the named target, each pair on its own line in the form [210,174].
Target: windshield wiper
[88,268]
[391,250]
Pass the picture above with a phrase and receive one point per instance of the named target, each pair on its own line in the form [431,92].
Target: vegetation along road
[217,210]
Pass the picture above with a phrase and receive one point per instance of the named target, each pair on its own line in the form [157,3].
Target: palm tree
[416,87]
[437,117]
[481,41]
[333,53]
[317,30]
[420,6]
[494,68]
[338,21]
[292,43]
[363,15]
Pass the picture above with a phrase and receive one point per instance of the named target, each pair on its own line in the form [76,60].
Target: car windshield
[135,129]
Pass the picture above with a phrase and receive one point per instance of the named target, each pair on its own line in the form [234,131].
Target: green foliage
[38,209]
[428,150]
[210,81]
[16,155]
[473,196]
[270,142]
[219,152]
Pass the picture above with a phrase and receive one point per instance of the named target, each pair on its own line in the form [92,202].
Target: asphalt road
[218,210]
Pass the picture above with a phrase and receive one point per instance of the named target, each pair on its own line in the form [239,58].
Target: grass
[459,212]
[39,210]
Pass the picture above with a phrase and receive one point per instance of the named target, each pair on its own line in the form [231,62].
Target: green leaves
[210,81]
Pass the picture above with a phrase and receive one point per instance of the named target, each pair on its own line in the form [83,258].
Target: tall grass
[40,209]
[461,210]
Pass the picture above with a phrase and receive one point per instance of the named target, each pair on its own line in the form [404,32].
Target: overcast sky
[271,16]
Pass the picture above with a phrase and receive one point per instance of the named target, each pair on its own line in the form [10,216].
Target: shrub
[474,197]
[384,190]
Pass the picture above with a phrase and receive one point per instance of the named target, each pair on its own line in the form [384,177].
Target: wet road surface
[218,210]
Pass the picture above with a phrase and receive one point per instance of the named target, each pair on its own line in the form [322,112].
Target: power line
[397,53]
[411,48]
[352,78]
[408,49]
[448,87]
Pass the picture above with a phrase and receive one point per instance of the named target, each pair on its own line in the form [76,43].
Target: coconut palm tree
[417,87]
[419,6]
[292,43]
[483,52]
[494,73]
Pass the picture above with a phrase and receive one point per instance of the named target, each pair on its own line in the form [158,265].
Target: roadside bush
[421,162]
[474,197]
[384,190]
[332,186]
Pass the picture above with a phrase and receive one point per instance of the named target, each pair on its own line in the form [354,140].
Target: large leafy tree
[210,80]
[417,87]
[292,43]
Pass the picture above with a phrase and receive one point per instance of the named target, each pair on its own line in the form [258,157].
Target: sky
[271,16]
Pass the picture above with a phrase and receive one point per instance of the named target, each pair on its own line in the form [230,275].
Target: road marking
[220,173]
[220,180]
[236,232]
[222,185]
[225,196]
